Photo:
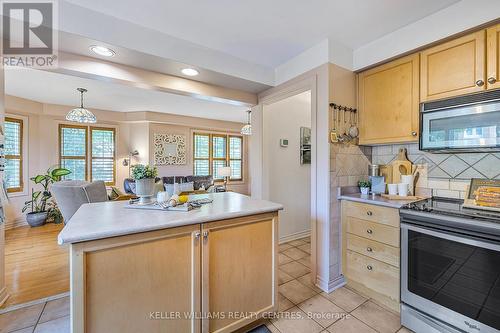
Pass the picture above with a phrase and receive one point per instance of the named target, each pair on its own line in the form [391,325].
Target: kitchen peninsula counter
[212,269]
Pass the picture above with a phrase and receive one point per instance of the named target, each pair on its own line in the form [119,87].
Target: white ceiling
[269,32]
[54,88]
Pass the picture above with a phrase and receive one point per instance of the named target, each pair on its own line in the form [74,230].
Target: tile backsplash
[447,174]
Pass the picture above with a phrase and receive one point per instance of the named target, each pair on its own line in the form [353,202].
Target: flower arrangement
[141,171]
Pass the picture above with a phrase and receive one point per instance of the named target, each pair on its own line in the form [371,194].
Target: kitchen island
[212,269]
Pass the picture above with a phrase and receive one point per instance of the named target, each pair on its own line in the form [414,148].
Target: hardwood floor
[36,266]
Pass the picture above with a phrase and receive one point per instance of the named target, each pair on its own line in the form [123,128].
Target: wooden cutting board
[386,172]
[400,161]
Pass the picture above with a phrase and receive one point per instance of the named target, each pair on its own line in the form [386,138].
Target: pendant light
[247,129]
[81,115]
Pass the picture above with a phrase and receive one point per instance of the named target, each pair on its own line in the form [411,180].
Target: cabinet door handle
[369,249]
[369,213]
[369,231]
[369,267]
[414,133]
[197,235]
[205,235]
[479,83]
[492,80]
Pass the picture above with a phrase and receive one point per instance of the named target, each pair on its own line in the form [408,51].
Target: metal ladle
[353,130]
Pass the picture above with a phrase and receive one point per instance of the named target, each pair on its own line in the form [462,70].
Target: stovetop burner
[451,207]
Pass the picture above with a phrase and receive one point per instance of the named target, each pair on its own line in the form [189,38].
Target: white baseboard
[329,286]
[297,235]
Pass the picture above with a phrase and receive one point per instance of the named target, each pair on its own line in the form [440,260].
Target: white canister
[393,189]
[403,189]
[408,179]
[162,196]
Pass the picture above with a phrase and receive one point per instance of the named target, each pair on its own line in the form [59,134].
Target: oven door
[451,277]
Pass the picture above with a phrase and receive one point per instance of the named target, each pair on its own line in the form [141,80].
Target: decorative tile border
[444,166]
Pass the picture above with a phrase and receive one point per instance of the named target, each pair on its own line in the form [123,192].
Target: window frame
[20,121]
[112,129]
[226,159]
[85,159]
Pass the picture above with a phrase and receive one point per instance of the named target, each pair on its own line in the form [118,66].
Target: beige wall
[3,289]
[43,151]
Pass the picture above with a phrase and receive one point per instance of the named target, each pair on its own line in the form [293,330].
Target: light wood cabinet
[493,57]
[371,251]
[212,277]
[239,271]
[136,283]
[453,68]
[388,102]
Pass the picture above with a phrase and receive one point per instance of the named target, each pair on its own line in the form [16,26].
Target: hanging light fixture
[247,129]
[81,115]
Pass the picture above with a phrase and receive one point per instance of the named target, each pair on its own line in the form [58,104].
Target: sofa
[199,182]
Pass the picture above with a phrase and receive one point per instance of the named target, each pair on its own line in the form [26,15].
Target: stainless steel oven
[450,271]
[464,124]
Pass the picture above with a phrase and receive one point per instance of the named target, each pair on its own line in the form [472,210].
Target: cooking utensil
[353,130]
[333,134]
[345,137]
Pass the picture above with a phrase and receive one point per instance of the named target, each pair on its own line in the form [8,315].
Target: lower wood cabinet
[371,251]
[212,277]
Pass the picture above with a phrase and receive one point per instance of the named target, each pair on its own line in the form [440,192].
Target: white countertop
[109,219]
[375,200]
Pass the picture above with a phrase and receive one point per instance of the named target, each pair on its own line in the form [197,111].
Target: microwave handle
[464,239]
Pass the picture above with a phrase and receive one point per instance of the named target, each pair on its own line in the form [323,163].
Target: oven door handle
[459,238]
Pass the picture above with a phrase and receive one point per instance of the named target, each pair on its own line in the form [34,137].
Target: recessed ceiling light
[190,72]
[102,51]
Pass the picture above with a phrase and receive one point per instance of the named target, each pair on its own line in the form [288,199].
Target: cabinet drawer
[373,231]
[385,253]
[373,274]
[384,215]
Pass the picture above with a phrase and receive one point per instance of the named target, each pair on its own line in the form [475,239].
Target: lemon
[183,199]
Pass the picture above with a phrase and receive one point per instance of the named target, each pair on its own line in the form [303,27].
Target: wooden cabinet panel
[388,102]
[493,57]
[373,230]
[453,68]
[239,270]
[385,253]
[118,282]
[376,275]
[379,214]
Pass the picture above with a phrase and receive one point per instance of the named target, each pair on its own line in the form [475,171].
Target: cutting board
[386,172]
[401,160]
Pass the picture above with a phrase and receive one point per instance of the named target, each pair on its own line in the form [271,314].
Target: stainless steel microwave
[461,124]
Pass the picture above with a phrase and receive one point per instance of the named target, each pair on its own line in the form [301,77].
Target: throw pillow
[132,187]
[187,187]
[115,193]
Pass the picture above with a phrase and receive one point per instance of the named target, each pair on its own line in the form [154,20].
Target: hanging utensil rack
[340,125]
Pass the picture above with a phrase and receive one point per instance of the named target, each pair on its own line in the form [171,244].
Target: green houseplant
[42,206]
[364,186]
[144,176]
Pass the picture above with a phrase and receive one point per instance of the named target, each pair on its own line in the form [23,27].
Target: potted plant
[364,186]
[144,176]
[42,207]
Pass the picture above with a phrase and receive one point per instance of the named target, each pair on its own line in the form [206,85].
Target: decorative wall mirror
[170,149]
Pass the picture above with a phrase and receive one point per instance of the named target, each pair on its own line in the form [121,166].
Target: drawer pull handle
[479,83]
[369,249]
[369,213]
[492,80]
[369,267]
[369,231]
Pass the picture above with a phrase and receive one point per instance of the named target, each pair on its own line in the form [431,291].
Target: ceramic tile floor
[303,308]
[48,317]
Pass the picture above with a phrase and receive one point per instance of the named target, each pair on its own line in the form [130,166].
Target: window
[13,154]
[213,151]
[74,143]
[103,154]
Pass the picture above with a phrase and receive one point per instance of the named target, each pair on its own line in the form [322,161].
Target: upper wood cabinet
[493,57]
[453,68]
[388,102]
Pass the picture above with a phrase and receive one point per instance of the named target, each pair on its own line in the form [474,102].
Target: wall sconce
[126,161]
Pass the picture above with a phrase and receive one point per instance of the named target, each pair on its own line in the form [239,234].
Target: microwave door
[466,128]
